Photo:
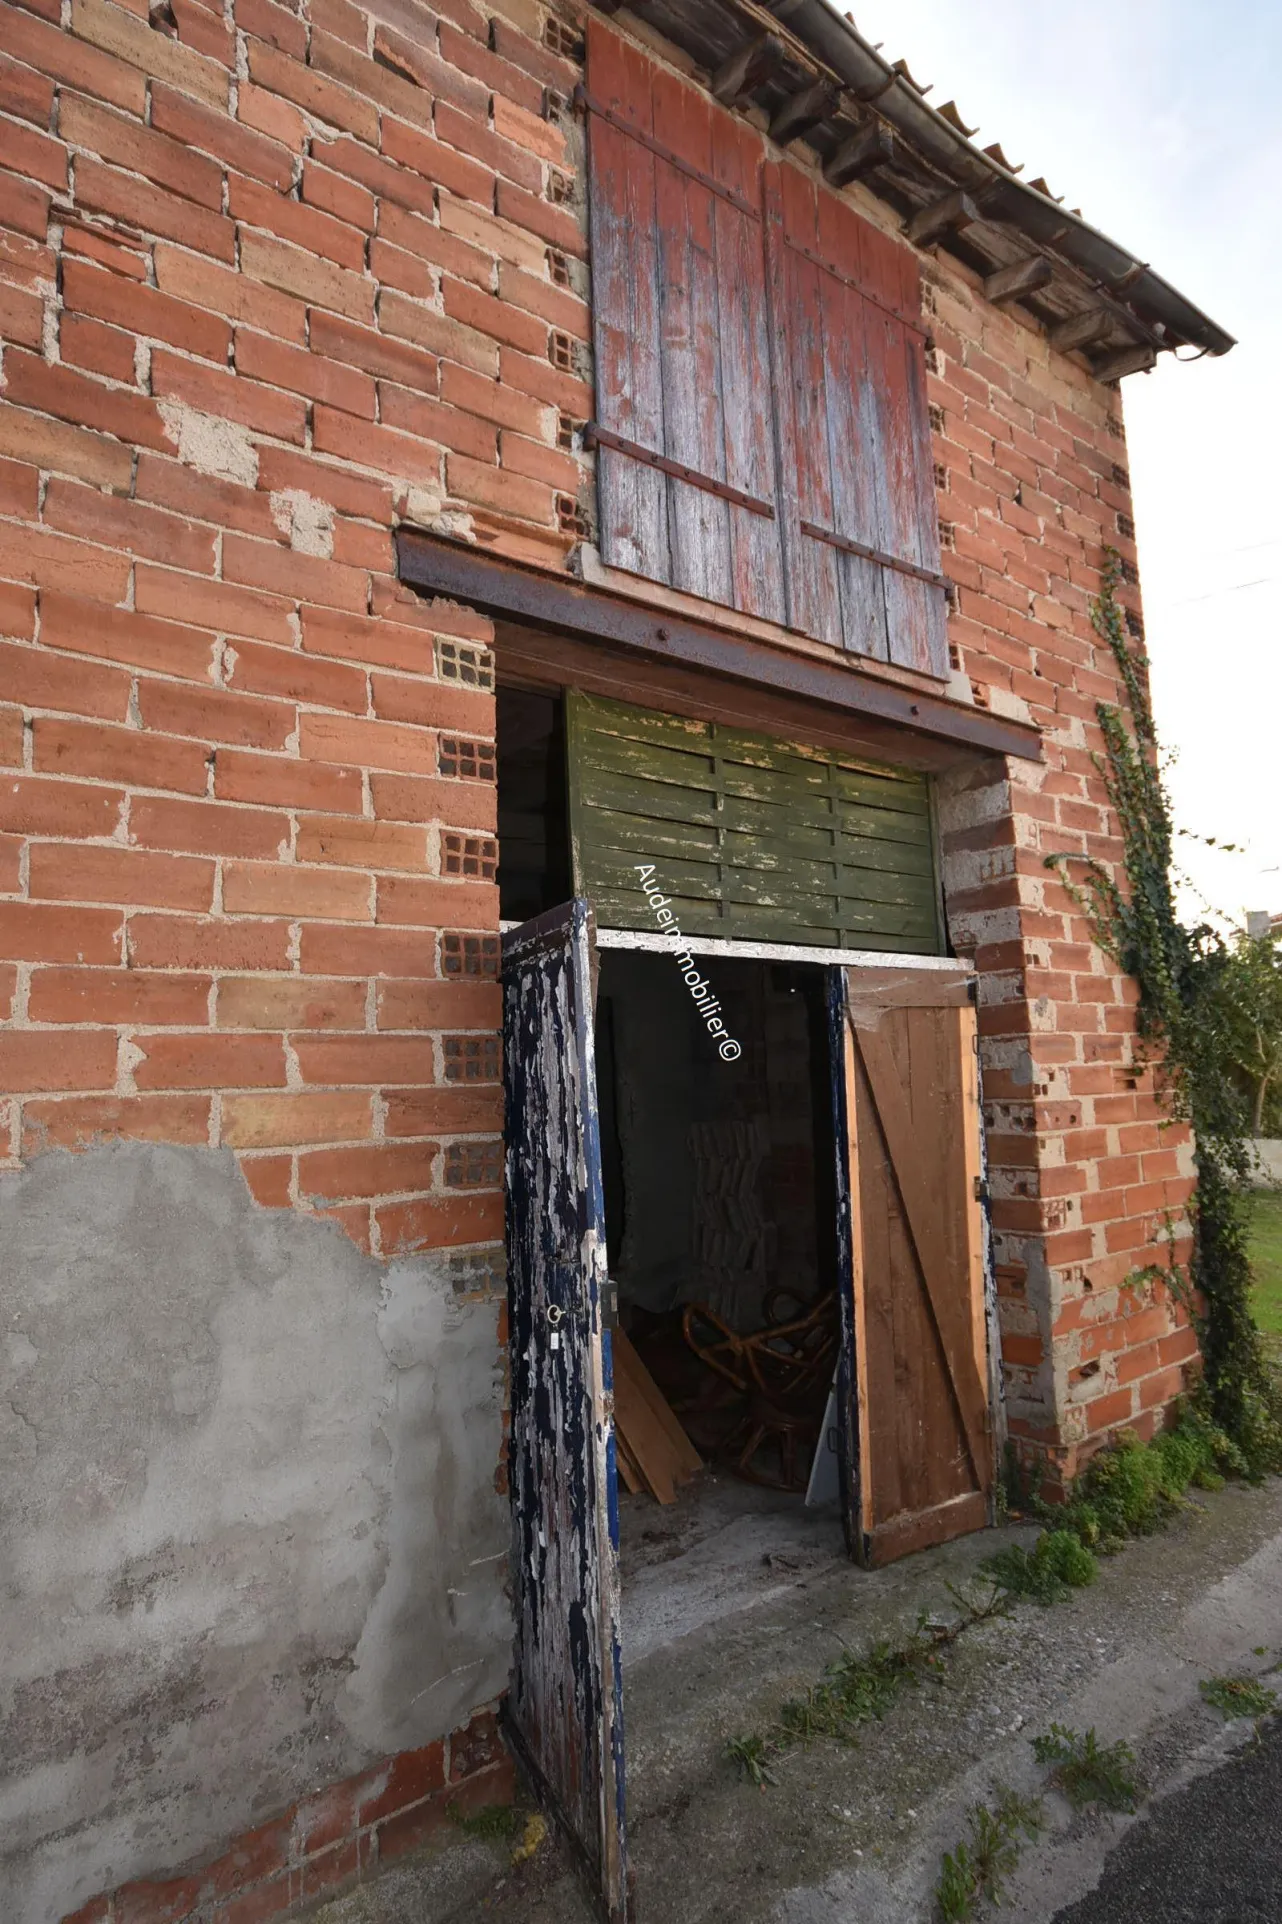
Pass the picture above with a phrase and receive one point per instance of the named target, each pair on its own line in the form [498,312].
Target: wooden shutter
[752,839]
[919,1409]
[685,454]
[763,430]
[860,523]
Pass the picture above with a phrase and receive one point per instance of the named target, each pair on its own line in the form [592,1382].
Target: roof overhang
[816,77]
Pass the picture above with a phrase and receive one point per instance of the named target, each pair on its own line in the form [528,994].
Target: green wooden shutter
[750,838]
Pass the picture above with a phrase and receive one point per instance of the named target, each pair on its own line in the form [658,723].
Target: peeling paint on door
[565,1710]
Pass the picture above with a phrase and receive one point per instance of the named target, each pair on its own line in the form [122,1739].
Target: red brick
[317,233]
[433,704]
[275,118]
[414,414]
[519,81]
[86,628]
[373,641]
[227,504]
[470,480]
[217,392]
[181,942]
[287,672]
[283,888]
[546,382]
[368,744]
[436,162]
[85,242]
[114,996]
[143,150]
[456,1110]
[198,126]
[129,526]
[357,843]
[353,494]
[401,798]
[438,905]
[262,1122]
[99,349]
[403,455]
[26,208]
[381,1169]
[409,247]
[279,26]
[121,755]
[35,932]
[262,359]
[26,94]
[35,155]
[495,317]
[553,224]
[289,1002]
[21,316]
[90,290]
[17,611]
[216,716]
[70,872]
[292,271]
[406,1780]
[501,155]
[206,828]
[411,321]
[479,394]
[365,348]
[213,604]
[526,128]
[268,1179]
[364,1061]
[44,1059]
[301,577]
[29,806]
[210,1062]
[366,951]
[205,284]
[31,554]
[79,1122]
[285,783]
[439,1223]
[452,1005]
[37,679]
[540,463]
[53,444]
[107,191]
[31,382]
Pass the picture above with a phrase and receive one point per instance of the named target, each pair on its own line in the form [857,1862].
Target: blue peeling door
[565,1707]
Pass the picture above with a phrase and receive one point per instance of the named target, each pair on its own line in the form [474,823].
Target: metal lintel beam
[1020,278]
[803,111]
[748,68]
[457,571]
[871,147]
[941,217]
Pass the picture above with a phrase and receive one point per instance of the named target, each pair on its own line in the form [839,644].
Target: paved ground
[1208,1854]
[855,1835]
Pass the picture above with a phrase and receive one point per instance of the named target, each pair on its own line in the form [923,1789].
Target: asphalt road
[1210,1853]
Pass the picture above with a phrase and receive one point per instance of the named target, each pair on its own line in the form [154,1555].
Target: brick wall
[271,282]
[1088,1174]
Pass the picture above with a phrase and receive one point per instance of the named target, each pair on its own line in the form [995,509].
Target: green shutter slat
[750,838]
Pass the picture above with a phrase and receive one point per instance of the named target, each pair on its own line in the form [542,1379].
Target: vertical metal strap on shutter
[860,530]
[685,451]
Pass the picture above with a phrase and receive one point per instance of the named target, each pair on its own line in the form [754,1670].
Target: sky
[1162,121]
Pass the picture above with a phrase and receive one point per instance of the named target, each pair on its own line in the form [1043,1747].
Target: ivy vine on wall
[1186,978]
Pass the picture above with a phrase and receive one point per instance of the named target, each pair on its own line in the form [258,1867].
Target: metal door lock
[555,1316]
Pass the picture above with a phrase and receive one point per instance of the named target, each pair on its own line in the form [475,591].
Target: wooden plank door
[918,1454]
[565,1705]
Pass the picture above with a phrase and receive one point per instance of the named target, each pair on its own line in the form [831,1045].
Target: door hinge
[609,1305]
[981,1189]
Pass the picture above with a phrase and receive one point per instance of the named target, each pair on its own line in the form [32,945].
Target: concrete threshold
[854,1834]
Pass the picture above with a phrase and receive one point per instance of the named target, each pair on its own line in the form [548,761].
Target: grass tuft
[1087,1771]
[986,1856]
[495,1823]
[1057,1563]
[1239,1696]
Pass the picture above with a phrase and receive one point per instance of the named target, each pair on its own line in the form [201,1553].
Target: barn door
[918,1441]
[565,1704]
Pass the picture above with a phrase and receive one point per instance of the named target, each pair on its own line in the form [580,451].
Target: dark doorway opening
[533,814]
[721,1224]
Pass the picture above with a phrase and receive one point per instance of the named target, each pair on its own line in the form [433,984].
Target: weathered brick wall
[275,280]
[1089,1177]
[272,281]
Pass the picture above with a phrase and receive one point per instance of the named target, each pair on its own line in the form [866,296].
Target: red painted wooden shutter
[763,435]
[680,331]
[854,430]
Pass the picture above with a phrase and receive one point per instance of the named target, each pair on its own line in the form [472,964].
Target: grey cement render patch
[249,1536]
